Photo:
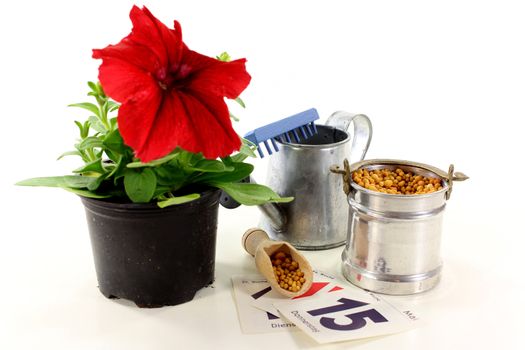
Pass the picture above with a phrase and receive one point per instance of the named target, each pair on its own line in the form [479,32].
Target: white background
[443,82]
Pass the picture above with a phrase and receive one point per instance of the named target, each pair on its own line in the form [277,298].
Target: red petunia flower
[170,95]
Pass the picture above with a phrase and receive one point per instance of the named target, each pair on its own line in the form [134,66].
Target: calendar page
[331,311]
[322,283]
[340,316]
[254,320]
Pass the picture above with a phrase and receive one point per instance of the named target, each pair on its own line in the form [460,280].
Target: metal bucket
[393,243]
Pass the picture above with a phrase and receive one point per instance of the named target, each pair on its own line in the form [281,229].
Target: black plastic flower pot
[152,256]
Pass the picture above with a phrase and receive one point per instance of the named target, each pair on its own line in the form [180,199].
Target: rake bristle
[291,129]
[314,127]
[267,147]
[303,133]
[296,136]
[309,129]
[275,147]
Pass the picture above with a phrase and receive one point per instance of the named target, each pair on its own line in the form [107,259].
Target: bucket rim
[405,164]
[390,195]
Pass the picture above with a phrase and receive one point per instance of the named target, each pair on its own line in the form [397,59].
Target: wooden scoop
[257,243]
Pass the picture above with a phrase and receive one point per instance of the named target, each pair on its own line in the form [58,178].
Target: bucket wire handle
[453,176]
[449,176]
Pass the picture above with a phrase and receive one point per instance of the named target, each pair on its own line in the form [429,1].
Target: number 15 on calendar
[339,316]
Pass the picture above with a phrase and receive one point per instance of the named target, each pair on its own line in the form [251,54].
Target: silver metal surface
[393,244]
[275,215]
[318,217]
[362,132]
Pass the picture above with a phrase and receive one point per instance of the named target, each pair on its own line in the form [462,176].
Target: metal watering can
[318,217]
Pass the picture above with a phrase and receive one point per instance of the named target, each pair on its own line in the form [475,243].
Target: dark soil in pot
[152,256]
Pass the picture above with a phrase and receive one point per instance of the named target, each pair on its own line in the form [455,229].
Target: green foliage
[110,169]
[224,57]
[178,200]
[251,194]
[140,184]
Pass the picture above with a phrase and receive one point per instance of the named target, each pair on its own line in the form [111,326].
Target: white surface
[442,83]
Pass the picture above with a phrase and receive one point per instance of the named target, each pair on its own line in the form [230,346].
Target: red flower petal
[130,53]
[215,136]
[183,120]
[170,38]
[146,34]
[171,96]
[227,79]
[122,80]
[151,46]
[137,117]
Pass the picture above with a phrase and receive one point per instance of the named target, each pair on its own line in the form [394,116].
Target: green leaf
[251,194]
[178,200]
[69,153]
[71,181]
[224,57]
[97,125]
[249,144]
[154,163]
[93,86]
[114,142]
[96,89]
[94,166]
[234,117]
[96,184]
[87,106]
[83,128]
[161,191]
[85,193]
[113,122]
[87,125]
[210,166]
[99,154]
[80,128]
[140,185]
[112,106]
[241,171]
[119,167]
[240,102]
[113,156]
[187,159]
[90,142]
[247,150]
[170,176]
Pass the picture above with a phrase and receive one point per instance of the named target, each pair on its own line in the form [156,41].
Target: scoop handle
[252,238]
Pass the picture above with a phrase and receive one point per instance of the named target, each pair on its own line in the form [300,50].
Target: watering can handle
[362,133]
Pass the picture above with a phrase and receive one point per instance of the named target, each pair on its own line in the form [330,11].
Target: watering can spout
[275,215]
[272,211]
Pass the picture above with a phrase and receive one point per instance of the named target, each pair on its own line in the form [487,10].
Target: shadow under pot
[153,256]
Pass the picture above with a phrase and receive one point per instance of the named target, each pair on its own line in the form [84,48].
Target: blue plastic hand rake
[290,129]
